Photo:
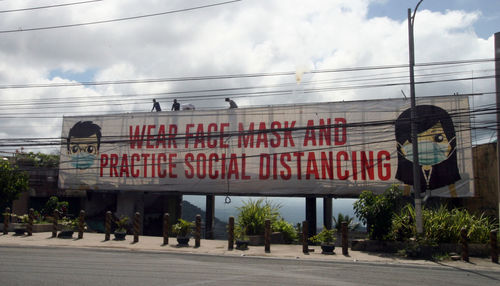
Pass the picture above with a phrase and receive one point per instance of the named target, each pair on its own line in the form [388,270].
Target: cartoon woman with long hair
[437,149]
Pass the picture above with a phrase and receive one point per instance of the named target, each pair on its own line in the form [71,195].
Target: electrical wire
[54,101]
[49,6]
[118,19]
[456,114]
[233,76]
[65,105]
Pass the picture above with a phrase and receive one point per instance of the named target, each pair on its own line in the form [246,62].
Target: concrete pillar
[230,234]
[327,212]
[179,207]
[128,203]
[209,216]
[20,206]
[311,215]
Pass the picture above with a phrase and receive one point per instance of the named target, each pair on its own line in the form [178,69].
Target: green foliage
[326,236]
[377,210]
[69,224]
[183,228]
[52,204]
[12,183]
[403,224]
[39,160]
[351,225]
[253,214]
[289,232]
[442,225]
[122,223]
[20,218]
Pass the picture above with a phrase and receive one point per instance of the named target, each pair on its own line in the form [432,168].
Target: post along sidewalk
[220,247]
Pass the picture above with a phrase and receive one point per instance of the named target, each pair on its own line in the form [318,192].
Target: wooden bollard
[81,224]
[54,223]
[166,227]
[345,241]
[230,233]
[29,228]
[494,246]
[6,218]
[465,245]
[305,238]
[197,232]
[137,226]
[107,226]
[267,236]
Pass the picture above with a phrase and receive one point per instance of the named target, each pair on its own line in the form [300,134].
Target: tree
[351,225]
[12,183]
[377,211]
[38,159]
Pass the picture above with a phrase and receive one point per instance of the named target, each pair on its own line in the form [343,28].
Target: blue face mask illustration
[82,160]
[429,153]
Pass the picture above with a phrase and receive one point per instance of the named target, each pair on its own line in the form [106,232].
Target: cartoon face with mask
[436,148]
[433,147]
[83,144]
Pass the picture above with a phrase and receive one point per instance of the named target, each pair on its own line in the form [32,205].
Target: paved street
[66,266]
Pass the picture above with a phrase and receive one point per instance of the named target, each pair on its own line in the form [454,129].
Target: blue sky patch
[485,26]
[85,76]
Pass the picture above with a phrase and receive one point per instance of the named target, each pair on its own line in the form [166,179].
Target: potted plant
[242,240]
[68,227]
[121,227]
[252,216]
[327,240]
[183,229]
[20,226]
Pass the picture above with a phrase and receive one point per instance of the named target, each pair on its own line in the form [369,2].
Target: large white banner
[339,148]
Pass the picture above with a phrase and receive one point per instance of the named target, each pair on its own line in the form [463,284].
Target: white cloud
[245,37]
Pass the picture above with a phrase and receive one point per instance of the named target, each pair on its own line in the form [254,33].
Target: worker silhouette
[156,106]
[176,106]
[232,104]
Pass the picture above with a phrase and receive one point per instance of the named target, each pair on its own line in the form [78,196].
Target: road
[74,266]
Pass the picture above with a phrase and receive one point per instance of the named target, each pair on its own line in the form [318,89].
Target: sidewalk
[219,247]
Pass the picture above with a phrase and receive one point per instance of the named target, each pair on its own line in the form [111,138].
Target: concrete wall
[485,181]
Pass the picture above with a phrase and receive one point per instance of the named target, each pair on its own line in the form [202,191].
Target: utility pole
[414,135]
[497,83]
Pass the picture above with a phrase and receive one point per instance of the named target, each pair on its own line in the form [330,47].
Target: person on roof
[156,105]
[176,106]
[232,104]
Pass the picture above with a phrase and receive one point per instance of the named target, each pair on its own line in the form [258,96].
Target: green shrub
[377,211]
[326,236]
[122,223]
[52,204]
[70,224]
[442,225]
[253,214]
[183,228]
[289,232]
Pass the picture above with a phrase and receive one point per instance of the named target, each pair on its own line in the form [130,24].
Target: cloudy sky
[102,57]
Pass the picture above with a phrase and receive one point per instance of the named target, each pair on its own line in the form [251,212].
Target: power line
[118,19]
[249,94]
[49,6]
[232,76]
[457,114]
[219,91]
